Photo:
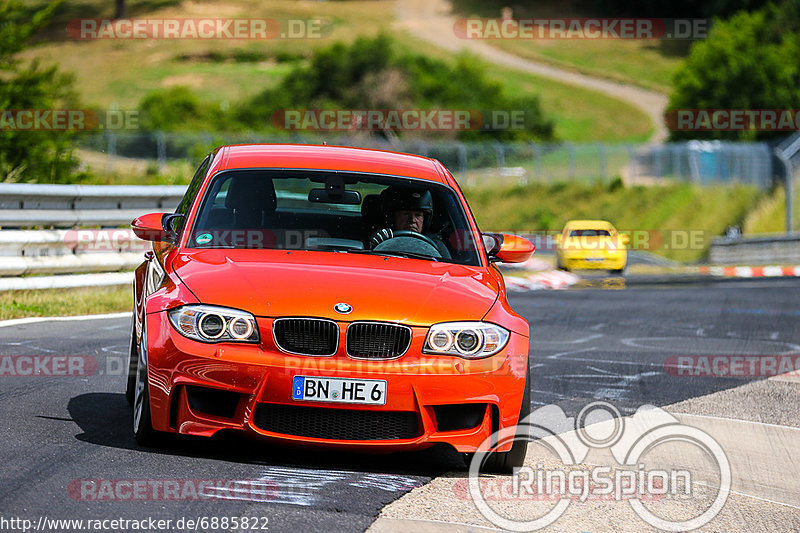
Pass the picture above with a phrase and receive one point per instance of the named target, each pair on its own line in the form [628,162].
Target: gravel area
[770,401]
[446,498]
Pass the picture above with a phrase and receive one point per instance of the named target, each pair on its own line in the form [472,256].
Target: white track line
[557,355]
[409,522]
[585,359]
[36,319]
[730,491]
[736,420]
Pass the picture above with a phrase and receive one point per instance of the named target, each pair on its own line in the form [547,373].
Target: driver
[407,210]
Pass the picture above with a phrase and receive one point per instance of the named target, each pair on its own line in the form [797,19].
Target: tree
[121,11]
[747,62]
[31,155]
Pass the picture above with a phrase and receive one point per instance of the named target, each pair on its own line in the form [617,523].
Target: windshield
[590,233]
[334,212]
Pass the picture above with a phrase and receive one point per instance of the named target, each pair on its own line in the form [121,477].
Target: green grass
[636,62]
[580,114]
[648,63]
[668,208]
[769,216]
[64,302]
[122,72]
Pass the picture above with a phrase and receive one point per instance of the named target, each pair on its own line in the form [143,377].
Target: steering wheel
[414,234]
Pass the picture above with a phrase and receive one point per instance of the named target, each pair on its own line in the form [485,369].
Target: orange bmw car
[327,296]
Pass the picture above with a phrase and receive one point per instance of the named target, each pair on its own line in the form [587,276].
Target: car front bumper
[200,389]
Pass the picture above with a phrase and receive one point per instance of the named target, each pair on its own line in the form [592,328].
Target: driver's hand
[380,236]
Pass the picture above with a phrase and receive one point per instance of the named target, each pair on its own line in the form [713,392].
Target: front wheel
[130,389]
[143,430]
[505,462]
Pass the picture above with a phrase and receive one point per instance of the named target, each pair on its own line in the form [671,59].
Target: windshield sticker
[203,238]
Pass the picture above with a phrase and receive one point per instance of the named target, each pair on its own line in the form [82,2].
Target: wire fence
[492,162]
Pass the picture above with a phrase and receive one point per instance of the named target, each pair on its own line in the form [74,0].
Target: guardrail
[24,205]
[758,250]
[69,251]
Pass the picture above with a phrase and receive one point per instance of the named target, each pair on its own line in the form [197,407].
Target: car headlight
[471,340]
[208,323]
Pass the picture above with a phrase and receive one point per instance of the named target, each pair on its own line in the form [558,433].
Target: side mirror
[156,227]
[624,239]
[510,248]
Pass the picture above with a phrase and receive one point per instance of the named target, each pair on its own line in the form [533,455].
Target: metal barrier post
[161,150]
[787,166]
[462,160]
[572,162]
[601,156]
[111,151]
[500,156]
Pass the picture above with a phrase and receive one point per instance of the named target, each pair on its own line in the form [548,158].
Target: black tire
[620,272]
[559,266]
[143,430]
[505,462]
[144,434]
[130,389]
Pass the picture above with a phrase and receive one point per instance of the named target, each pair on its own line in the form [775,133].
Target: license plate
[590,259]
[339,390]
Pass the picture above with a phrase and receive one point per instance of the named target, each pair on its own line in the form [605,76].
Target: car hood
[278,283]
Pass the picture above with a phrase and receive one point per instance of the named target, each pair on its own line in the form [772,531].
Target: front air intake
[336,424]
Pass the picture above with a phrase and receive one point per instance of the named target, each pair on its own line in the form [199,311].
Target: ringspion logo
[634,444]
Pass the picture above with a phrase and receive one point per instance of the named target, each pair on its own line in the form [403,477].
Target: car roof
[324,157]
[589,224]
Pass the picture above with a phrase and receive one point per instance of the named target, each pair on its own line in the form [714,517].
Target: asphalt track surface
[593,342]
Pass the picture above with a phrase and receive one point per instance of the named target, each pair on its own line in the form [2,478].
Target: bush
[371,74]
[177,109]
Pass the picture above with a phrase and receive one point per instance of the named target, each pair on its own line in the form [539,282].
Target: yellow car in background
[591,244]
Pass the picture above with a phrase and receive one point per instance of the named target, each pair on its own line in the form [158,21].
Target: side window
[191,192]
